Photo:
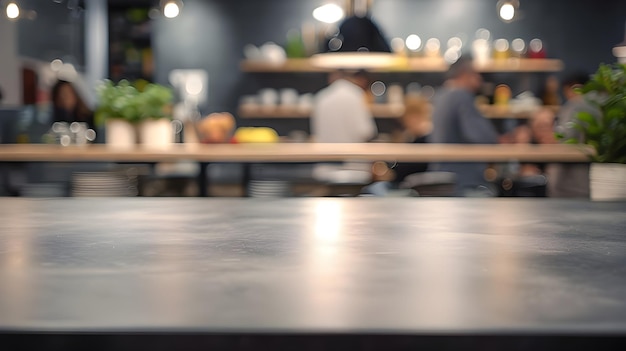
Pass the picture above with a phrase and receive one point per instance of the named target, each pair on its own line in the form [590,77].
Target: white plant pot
[607,181]
[156,133]
[120,133]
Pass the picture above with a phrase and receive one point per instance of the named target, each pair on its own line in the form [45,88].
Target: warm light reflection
[171,9]
[335,44]
[397,45]
[455,42]
[452,55]
[378,88]
[194,85]
[433,44]
[413,42]
[329,13]
[13,11]
[536,45]
[432,47]
[483,34]
[327,219]
[327,262]
[501,45]
[518,45]
[56,65]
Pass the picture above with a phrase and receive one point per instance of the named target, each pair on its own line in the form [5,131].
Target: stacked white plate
[102,184]
[268,188]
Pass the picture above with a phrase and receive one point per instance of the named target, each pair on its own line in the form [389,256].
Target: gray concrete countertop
[313,265]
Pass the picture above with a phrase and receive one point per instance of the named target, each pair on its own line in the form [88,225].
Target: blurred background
[242,56]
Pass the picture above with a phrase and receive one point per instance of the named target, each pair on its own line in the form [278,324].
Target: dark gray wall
[581,32]
[55,32]
[210,34]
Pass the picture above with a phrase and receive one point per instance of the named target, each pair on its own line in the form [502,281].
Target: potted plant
[118,110]
[135,112]
[154,103]
[606,133]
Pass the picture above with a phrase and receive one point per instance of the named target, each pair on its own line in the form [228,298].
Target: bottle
[551,93]
[502,95]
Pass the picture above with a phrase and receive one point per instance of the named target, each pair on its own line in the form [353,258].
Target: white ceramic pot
[156,132]
[120,133]
[607,181]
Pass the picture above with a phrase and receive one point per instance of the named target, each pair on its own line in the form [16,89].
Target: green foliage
[607,135]
[155,101]
[133,102]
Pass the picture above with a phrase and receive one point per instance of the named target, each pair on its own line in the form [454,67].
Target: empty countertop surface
[318,265]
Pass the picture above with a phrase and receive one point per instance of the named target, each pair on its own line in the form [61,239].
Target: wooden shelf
[409,65]
[273,112]
[378,111]
[505,112]
[521,65]
[290,66]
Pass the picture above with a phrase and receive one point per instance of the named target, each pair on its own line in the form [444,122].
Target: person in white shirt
[341,113]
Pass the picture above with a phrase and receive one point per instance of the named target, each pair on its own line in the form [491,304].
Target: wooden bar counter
[296,152]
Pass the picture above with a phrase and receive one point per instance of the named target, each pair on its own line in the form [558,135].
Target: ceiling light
[171,8]
[507,9]
[507,12]
[329,13]
[413,42]
[13,11]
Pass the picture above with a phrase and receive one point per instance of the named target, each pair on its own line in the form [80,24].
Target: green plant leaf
[606,90]
[587,118]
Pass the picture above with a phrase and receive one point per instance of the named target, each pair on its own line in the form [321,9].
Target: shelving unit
[398,64]
[378,111]
[409,65]
[130,43]
[504,112]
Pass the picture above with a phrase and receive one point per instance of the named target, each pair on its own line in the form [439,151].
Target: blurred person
[456,120]
[341,113]
[68,106]
[542,127]
[539,130]
[550,94]
[417,124]
[566,179]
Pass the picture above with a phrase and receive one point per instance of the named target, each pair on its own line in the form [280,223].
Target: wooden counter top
[296,152]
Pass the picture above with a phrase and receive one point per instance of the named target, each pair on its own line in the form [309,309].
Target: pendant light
[12,10]
[171,8]
[507,10]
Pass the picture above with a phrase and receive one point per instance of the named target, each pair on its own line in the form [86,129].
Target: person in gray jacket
[456,120]
[570,179]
